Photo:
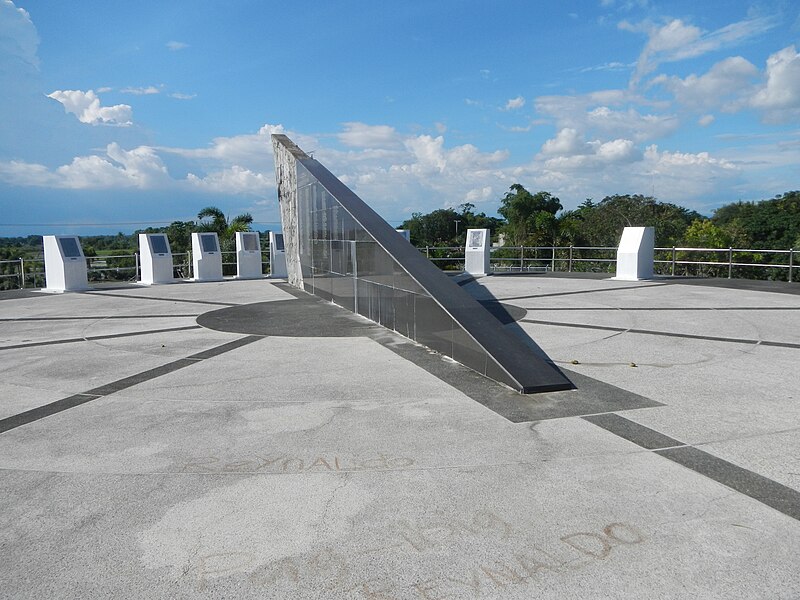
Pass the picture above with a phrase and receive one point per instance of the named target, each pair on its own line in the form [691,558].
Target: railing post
[522,257]
[791,263]
[136,269]
[22,273]
[427,252]
[673,261]
[553,261]
[569,268]
[730,261]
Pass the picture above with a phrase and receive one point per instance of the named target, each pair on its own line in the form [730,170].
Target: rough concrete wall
[286,175]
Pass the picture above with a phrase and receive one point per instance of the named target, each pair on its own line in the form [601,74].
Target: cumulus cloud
[234,180]
[727,78]
[569,151]
[86,107]
[137,168]
[428,155]
[779,97]
[361,135]
[515,103]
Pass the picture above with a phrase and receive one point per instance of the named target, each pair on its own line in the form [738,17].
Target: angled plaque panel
[341,250]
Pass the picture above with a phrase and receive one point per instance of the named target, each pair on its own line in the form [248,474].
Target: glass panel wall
[342,262]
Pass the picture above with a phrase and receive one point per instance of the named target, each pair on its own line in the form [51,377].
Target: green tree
[602,223]
[440,227]
[530,218]
[703,233]
[216,221]
[770,224]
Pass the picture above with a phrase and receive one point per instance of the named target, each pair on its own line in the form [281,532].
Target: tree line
[525,219]
[538,219]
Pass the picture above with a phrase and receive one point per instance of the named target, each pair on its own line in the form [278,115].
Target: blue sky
[115,116]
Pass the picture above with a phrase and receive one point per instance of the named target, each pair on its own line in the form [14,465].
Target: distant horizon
[121,113]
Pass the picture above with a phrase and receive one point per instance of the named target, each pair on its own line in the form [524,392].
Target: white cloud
[142,165]
[86,107]
[26,174]
[18,37]
[428,153]
[570,151]
[138,168]
[479,194]
[727,78]
[593,113]
[179,96]
[250,151]
[174,46]
[429,156]
[234,180]
[140,91]
[361,135]
[567,142]
[779,97]
[705,120]
[515,103]
[609,66]
[676,40]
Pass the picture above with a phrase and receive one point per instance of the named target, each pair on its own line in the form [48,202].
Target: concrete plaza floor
[244,440]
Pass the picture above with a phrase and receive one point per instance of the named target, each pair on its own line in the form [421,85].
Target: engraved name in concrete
[515,562]
[289,463]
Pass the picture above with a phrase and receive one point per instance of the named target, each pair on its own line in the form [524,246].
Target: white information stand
[277,256]
[476,253]
[248,255]
[206,257]
[406,233]
[156,257]
[64,264]
[635,254]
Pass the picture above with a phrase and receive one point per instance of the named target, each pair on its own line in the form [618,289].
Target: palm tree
[218,223]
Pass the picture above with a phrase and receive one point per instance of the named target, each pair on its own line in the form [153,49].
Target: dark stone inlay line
[633,432]
[93,318]
[90,338]
[126,382]
[58,406]
[41,412]
[690,336]
[210,302]
[611,289]
[227,347]
[758,487]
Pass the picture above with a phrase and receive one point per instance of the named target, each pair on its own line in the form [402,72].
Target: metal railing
[24,273]
[675,261]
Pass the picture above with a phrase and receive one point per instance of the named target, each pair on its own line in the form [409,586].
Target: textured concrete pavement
[242,440]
